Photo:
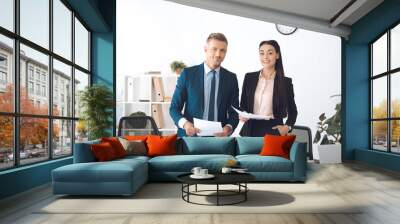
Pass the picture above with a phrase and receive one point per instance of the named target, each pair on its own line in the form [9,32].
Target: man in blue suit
[206,91]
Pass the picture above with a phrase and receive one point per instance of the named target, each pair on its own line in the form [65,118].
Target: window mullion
[73,82]
[389,113]
[50,81]
[371,89]
[16,84]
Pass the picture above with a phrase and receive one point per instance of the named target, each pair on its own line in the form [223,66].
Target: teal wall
[380,159]
[24,178]
[356,85]
[103,64]
[104,52]
[99,16]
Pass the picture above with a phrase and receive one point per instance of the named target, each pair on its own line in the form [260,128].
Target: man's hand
[226,132]
[190,129]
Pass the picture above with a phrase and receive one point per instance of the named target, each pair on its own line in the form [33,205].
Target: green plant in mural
[329,129]
[97,104]
[177,66]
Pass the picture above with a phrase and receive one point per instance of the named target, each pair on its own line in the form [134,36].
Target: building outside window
[3,72]
[43,78]
[55,96]
[37,74]
[3,78]
[3,81]
[3,61]
[30,87]
[30,72]
[44,91]
[38,89]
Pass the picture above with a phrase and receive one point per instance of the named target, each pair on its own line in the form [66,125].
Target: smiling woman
[269,93]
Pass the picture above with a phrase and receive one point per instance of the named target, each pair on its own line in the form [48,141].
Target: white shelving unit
[141,95]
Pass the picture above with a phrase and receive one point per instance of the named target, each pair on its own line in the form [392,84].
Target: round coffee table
[238,179]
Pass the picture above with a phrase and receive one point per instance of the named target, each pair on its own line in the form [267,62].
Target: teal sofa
[125,176]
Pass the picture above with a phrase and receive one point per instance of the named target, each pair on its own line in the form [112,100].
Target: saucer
[208,176]
[240,171]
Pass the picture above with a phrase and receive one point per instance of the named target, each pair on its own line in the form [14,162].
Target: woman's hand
[283,129]
[243,119]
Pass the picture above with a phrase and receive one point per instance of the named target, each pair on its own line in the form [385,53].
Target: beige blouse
[263,96]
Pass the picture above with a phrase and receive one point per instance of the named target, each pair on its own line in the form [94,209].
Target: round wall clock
[285,30]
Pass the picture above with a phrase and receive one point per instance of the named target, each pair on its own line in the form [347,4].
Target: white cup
[196,171]
[226,170]
[203,172]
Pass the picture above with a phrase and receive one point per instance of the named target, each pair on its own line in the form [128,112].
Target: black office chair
[303,134]
[137,125]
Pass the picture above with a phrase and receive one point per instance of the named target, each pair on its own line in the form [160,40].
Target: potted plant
[177,66]
[328,136]
[97,105]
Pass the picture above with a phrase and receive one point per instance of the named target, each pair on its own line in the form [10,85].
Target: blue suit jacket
[189,93]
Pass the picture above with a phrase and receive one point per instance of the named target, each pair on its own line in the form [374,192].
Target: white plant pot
[330,153]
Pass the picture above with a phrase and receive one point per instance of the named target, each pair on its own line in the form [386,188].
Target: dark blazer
[189,94]
[279,110]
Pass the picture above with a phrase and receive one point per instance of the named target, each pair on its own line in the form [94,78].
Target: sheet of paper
[207,128]
[239,127]
[251,116]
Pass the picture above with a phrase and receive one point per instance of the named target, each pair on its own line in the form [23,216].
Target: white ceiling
[315,15]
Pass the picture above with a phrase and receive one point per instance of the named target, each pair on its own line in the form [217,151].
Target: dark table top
[220,178]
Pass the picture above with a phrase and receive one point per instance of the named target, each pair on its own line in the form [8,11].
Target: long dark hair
[280,74]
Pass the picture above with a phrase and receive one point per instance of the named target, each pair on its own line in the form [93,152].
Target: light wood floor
[377,188]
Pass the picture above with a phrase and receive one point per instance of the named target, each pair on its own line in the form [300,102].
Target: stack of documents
[244,114]
[207,128]
[251,116]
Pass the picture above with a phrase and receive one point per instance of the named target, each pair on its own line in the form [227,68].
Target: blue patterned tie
[211,103]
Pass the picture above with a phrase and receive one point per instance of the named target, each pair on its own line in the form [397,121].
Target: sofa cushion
[185,163]
[208,145]
[277,145]
[103,152]
[112,171]
[249,145]
[134,147]
[257,163]
[116,145]
[161,145]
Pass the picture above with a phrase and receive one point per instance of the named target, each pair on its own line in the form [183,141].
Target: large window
[385,93]
[40,80]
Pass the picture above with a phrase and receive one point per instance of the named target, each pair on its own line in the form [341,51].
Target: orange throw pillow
[116,145]
[277,145]
[103,151]
[135,138]
[161,145]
